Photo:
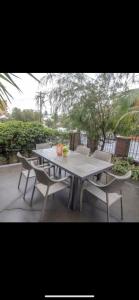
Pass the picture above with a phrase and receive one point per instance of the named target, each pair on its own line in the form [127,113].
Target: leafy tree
[27,115]
[16,114]
[127,107]
[66,122]
[53,121]
[90,102]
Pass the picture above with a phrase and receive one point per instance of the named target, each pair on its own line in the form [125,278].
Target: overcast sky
[29,87]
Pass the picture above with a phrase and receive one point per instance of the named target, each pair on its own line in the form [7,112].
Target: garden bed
[123,165]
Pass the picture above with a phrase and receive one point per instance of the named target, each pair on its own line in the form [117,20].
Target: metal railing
[134,148]
[110,145]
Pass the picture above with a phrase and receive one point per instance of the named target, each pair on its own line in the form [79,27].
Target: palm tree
[127,105]
[9,78]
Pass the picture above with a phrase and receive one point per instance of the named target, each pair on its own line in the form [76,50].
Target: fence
[110,145]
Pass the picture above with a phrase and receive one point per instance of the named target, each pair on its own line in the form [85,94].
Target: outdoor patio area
[14,209]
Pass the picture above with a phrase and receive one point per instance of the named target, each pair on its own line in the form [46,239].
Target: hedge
[18,135]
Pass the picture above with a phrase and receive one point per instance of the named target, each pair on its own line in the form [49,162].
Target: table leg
[59,172]
[75,193]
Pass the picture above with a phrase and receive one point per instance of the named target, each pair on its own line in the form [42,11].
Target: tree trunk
[103,144]
[92,144]
[74,140]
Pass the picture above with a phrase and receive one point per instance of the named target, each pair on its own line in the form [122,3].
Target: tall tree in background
[26,115]
[90,102]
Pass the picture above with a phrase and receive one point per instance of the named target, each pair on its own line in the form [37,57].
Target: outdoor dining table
[76,164]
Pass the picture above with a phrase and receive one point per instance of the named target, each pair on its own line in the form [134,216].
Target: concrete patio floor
[14,209]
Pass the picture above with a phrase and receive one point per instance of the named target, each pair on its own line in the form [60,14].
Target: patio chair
[105,196]
[48,186]
[102,155]
[43,146]
[27,170]
[83,150]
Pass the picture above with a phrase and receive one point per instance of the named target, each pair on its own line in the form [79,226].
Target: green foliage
[92,103]
[122,166]
[95,104]
[135,173]
[27,115]
[18,135]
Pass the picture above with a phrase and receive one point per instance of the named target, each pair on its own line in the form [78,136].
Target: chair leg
[70,192]
[54,171]
[122,214]
[33,192]
[32,195]
[107,200]
[59,172]
[108,217]
[81,199]
[44,205]
[26,185]
[20,179]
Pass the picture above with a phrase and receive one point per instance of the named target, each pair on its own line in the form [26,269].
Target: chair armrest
[101,185]
[62,179]
[32,158]
[123,177]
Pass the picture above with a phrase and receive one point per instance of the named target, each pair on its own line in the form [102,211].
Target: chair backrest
[106,156]
[83,150]
[41,175]
[43,146]
[25,163]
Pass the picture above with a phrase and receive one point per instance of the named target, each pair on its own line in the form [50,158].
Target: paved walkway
[14,209]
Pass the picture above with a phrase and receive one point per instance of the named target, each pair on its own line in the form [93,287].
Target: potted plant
[65,151]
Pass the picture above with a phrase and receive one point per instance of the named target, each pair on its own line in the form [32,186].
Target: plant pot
[65,154]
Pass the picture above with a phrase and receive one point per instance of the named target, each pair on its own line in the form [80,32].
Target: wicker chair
[48,186]
[102,155]
[27,170]
[105,196]
[83,150]
[43,146]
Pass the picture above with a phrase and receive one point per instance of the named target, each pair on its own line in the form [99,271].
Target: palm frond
[7,77]
[30,74]
[134,112]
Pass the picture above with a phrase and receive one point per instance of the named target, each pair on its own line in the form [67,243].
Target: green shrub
[135,172]
[121,166]
[18,135]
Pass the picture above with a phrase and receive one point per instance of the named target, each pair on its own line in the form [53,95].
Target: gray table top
[76,164]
